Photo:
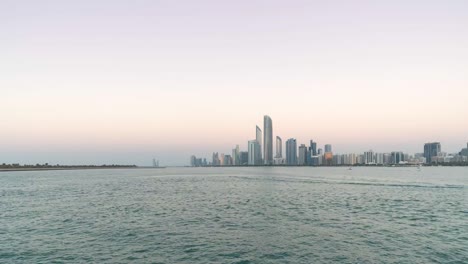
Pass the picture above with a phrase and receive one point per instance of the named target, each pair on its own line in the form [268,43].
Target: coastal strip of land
[46,167]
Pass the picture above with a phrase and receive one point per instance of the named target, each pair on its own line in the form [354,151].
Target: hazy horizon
[93,82]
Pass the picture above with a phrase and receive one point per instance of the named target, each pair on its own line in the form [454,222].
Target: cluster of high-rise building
[434,155]
[260,153]
[199,162]
[155,163]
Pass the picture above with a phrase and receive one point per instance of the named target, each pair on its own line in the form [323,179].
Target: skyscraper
[279,147]
[254,153]
[302,155]
[397,157]
[387,158]
[328,148]
[431,150]
[464,151]
[221,159]
[351,159]
[215,160]
[258,137]
[227,160]
[369,157]
[291,151]
[235,156]
[328,158]
[312,152]
[313,148]
[267,140]
[379,158]
[244,157]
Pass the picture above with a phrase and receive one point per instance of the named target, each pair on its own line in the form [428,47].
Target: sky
[111,81]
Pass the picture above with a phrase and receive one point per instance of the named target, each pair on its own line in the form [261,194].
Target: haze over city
[93,82]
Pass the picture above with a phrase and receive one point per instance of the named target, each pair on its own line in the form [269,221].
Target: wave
[345,182]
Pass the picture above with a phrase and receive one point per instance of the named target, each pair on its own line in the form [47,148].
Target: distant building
[316,160]
[406,156]
[328,158]
[313,148]
[254,153]
[345,159]
[215,159]
[397,157]
[337,159]
[320,151]
[360,159]
[267,140]
[243,158]
[221,159]
[431,150]
[258,137]
[419,158]
[194,161]
[227,160]
[302,155]
[387,158]
[351,159]
[369,157]
[155,163]
[308,157]
[291,152]
[379,158]
[328,148]
[235,156]
[279,161]
[464,151]
[279,147]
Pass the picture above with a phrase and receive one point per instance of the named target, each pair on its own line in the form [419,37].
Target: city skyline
[260,137]
[118,82]
[302,155]
[247,131]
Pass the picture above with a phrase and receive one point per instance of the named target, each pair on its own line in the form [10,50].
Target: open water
[235,215]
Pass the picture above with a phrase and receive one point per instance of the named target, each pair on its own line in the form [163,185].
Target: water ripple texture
[235,215]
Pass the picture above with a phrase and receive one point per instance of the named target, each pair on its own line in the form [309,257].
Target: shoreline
[65,168]
[260,166]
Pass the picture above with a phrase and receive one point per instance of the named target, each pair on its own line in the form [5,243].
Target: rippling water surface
[235,215]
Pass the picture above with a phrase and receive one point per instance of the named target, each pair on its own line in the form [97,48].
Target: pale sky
[125,81]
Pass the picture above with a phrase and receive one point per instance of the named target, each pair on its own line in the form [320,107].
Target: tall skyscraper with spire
[267,140]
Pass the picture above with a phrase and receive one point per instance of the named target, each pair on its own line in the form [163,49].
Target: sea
[235,215]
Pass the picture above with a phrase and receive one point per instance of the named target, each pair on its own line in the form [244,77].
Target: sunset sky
[92,82]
